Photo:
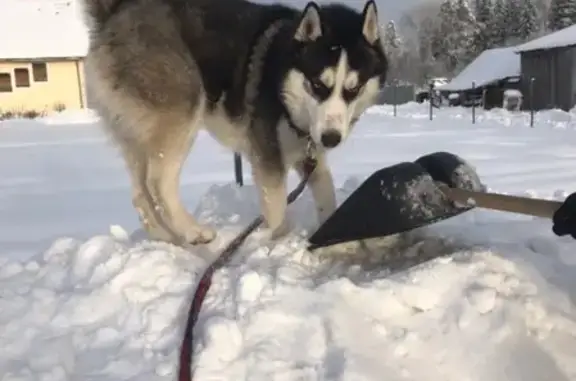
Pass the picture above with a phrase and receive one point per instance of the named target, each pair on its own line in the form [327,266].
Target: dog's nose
[331,138]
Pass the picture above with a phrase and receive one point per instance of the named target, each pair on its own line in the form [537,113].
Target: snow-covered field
[84,296]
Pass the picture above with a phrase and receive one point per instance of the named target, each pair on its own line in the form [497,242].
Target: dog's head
[337,70]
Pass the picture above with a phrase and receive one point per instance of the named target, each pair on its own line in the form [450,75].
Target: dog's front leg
[321,184]
[271,183]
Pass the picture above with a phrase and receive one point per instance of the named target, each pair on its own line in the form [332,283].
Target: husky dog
[267,81]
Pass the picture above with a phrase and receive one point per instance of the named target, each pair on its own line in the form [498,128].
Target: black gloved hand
[564,220]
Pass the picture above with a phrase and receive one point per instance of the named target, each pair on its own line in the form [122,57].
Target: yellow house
[41,63]
[42,84]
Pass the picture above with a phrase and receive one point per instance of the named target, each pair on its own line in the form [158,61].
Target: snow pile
[111,309]
[496,299]
[99,307]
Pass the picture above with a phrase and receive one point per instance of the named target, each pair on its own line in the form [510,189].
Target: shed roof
[559,39]
[48,29]
[490,66]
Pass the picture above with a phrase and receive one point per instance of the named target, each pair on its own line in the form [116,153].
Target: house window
[5,83]
[40,72]
[22,77]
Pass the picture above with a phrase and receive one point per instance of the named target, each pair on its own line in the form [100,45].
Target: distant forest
[439,40]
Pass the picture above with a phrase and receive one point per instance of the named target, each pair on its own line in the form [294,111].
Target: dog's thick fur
[264,80]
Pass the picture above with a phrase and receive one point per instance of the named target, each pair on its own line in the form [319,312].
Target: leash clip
[310,160]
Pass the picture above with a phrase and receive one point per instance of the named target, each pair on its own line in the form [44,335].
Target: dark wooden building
[548,71]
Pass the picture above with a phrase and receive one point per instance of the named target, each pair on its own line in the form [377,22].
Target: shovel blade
[392,200]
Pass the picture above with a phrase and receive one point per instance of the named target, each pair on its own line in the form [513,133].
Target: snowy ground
[78,302]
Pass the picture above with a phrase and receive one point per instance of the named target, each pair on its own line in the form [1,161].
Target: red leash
[185,365]
[184,373]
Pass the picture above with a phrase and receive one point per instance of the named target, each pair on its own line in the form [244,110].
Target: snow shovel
[398,199]
[411,195]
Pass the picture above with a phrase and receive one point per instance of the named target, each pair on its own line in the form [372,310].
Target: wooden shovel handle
[515,204]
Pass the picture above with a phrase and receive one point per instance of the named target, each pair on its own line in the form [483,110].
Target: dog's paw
[200,234]
[157,233]
[281,231]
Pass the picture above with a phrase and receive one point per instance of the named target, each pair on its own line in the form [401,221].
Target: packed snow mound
[500,307]
[99,309]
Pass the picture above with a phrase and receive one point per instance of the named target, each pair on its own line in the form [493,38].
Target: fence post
[394,96]
[473,104]
[531,102]
[238,169]
[430,96]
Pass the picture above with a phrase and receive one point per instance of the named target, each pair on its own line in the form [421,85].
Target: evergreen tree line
[460,30]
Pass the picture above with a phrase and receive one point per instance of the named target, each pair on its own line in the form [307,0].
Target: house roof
[559,39]
[490,66]
[47,29]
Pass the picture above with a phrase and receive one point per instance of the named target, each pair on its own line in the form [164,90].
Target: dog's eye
[351,93]
[318,89]
[356,89]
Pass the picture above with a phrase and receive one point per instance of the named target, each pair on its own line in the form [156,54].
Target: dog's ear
[310,27]
[370,27]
